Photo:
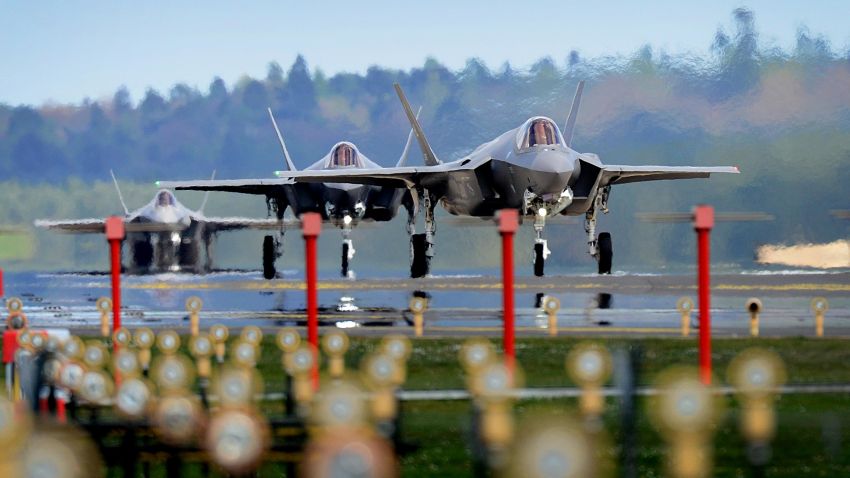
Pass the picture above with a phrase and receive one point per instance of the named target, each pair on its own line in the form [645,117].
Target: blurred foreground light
[133,398]
[335,343]
[245,354]
[201,345]
[339,404]
[219,333]
[177,417]
[95,354]
[288,339]
[237,386]
[60,452]
[172,372]
[122,337]
[251,334]
[349,454]
[168,341]
[589,364]
[14,426]
[144,338]
[476,353]
[73,348]
[397,347]
[683,403]
[757,372]
[301,361]
[96,387]
[237,439]
[126,363]
[379,371]
[496,381]
[552,447]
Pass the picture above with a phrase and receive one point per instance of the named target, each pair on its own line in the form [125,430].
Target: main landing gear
[600,248]
[422,245]
[271,251]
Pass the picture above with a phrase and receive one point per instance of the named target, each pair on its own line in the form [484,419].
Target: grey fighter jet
[342,204]
[531,168]
[164,235]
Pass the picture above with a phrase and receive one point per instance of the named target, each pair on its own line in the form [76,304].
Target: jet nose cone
[552,162]
[551,172]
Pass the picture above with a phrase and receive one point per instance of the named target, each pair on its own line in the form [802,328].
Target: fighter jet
[344,205]
[164,235]
[532,168]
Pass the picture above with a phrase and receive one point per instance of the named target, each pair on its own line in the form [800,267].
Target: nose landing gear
[347,248]
[541,249]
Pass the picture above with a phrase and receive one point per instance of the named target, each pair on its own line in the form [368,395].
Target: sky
[55,51]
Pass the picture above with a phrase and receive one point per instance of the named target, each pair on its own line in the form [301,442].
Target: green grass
[16,247]
[812,438]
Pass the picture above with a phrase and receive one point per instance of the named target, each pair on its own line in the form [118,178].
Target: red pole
[115,234]
[311,224]
[508,225]
[61,413]
[1,283]
[703,222]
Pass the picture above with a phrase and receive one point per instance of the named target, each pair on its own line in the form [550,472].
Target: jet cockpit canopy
[539,131]
[344,155]
[165,198]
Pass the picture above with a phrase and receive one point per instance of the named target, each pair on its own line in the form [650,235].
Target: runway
[460,305]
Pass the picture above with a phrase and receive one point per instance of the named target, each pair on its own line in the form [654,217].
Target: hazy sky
[65,51]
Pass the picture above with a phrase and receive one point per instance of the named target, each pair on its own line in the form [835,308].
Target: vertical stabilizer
[427,153]
[403,159]
[206,196]
[571,119]
[289,163]
[120,197]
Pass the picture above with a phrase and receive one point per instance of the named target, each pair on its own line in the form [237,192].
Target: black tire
[344,259]
[142,254]
[538,259]
[419,265]
[188,254]
[268,258]
[606,252]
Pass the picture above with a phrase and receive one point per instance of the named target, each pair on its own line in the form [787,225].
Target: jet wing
[400,177]
[246,186]
[81,226]
[97,226]
[218,224]
[612,174]
[396,177]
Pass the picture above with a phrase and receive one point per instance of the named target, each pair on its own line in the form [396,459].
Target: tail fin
[120,197]
[289,163]
[427,153]
[206,196]
[571,119]
[403,159]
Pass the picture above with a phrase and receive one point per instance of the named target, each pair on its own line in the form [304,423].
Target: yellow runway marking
[787,287]
[625,330]
[461,286]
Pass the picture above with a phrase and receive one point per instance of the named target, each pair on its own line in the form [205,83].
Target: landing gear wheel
[268,258]
[344,259]
[539,261]
[419,264]
[606,252]
[143,254]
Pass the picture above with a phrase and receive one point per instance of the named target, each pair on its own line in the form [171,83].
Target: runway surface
[620,304]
